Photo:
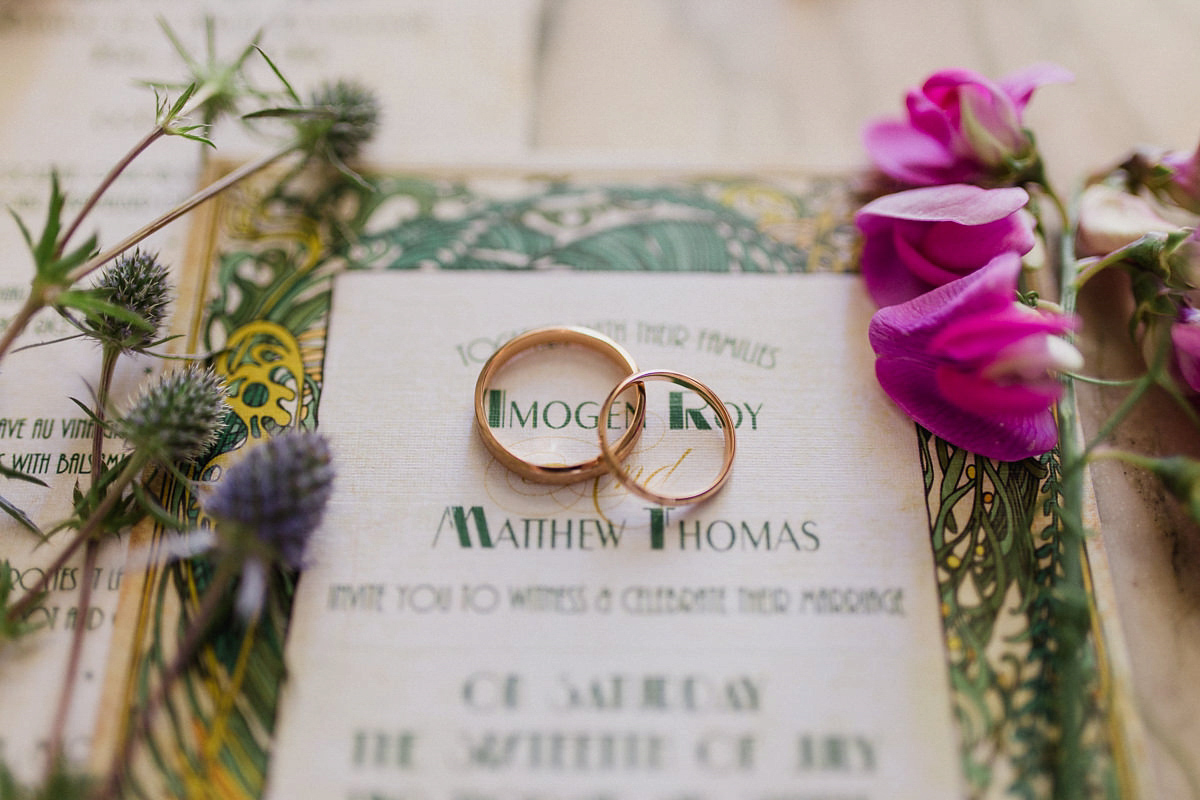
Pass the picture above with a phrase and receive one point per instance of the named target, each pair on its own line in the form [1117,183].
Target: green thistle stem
[33,304]
[207,193]
[91,554]
[38,300]
[108,180]
[139,729]
[86,532]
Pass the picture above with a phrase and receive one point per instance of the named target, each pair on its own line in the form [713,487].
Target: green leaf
[287,86]
[24,230]
[49,342]
[89,412]
[282,113]
[186,95]
[21,517]
[92,303]
[86,502]
[156,511]
[43,251]
[10,629]
[178,45]
[9,472]
[184,133]
[56,270]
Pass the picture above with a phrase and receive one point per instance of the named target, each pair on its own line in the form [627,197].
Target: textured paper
[782,639]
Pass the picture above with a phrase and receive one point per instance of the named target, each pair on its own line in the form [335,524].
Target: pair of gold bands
[611,455]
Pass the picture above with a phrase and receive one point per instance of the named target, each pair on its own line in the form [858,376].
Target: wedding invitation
[863,611]
[469,634]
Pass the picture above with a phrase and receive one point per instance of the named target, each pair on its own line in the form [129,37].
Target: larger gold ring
[553,337]
[614,458]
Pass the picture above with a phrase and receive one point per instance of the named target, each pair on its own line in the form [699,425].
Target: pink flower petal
[954,400]
[1185,336]
[1021,84]
[1009,437]
[924,269]
[943,86]
[991,126]
[976,395]
[960,127]
[967,247]
[886,284]
[907,154]
[956,202]
[910,243]
[972,338]
[901,330]
[930,118]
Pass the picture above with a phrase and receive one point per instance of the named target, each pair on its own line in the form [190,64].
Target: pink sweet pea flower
[973,365]
[961,127]
[1185,336]
[1183,187]
[916,240]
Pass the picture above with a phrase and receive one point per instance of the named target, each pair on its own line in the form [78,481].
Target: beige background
[656,82]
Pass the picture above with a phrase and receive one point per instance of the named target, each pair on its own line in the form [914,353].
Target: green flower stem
[1110,382]
[108,180]
[139,728]
[91,552]
[207,193]
[1059,206]
[38,300]
[89,529]
[1142,385]
[1126,456]
[1140,388]
[1087,273]
[34,303]
[1071,768]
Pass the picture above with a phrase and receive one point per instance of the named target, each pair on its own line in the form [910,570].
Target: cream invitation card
[463,633]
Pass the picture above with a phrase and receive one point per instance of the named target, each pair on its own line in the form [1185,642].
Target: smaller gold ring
[613,459]
[552,337]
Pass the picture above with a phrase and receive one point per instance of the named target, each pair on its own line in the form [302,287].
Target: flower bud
[138,283]
[1181,257]
[1185,342]
[270,502]
[177,417]
[961,127]
[343,117]
[1110,218]
[1180,476]
[1182,185]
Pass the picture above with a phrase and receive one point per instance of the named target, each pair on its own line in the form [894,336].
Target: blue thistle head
[177,417]
[270,502]
[138,283]
[343,116]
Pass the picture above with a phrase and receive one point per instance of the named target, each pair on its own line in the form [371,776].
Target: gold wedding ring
[613,456]
[555,337]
